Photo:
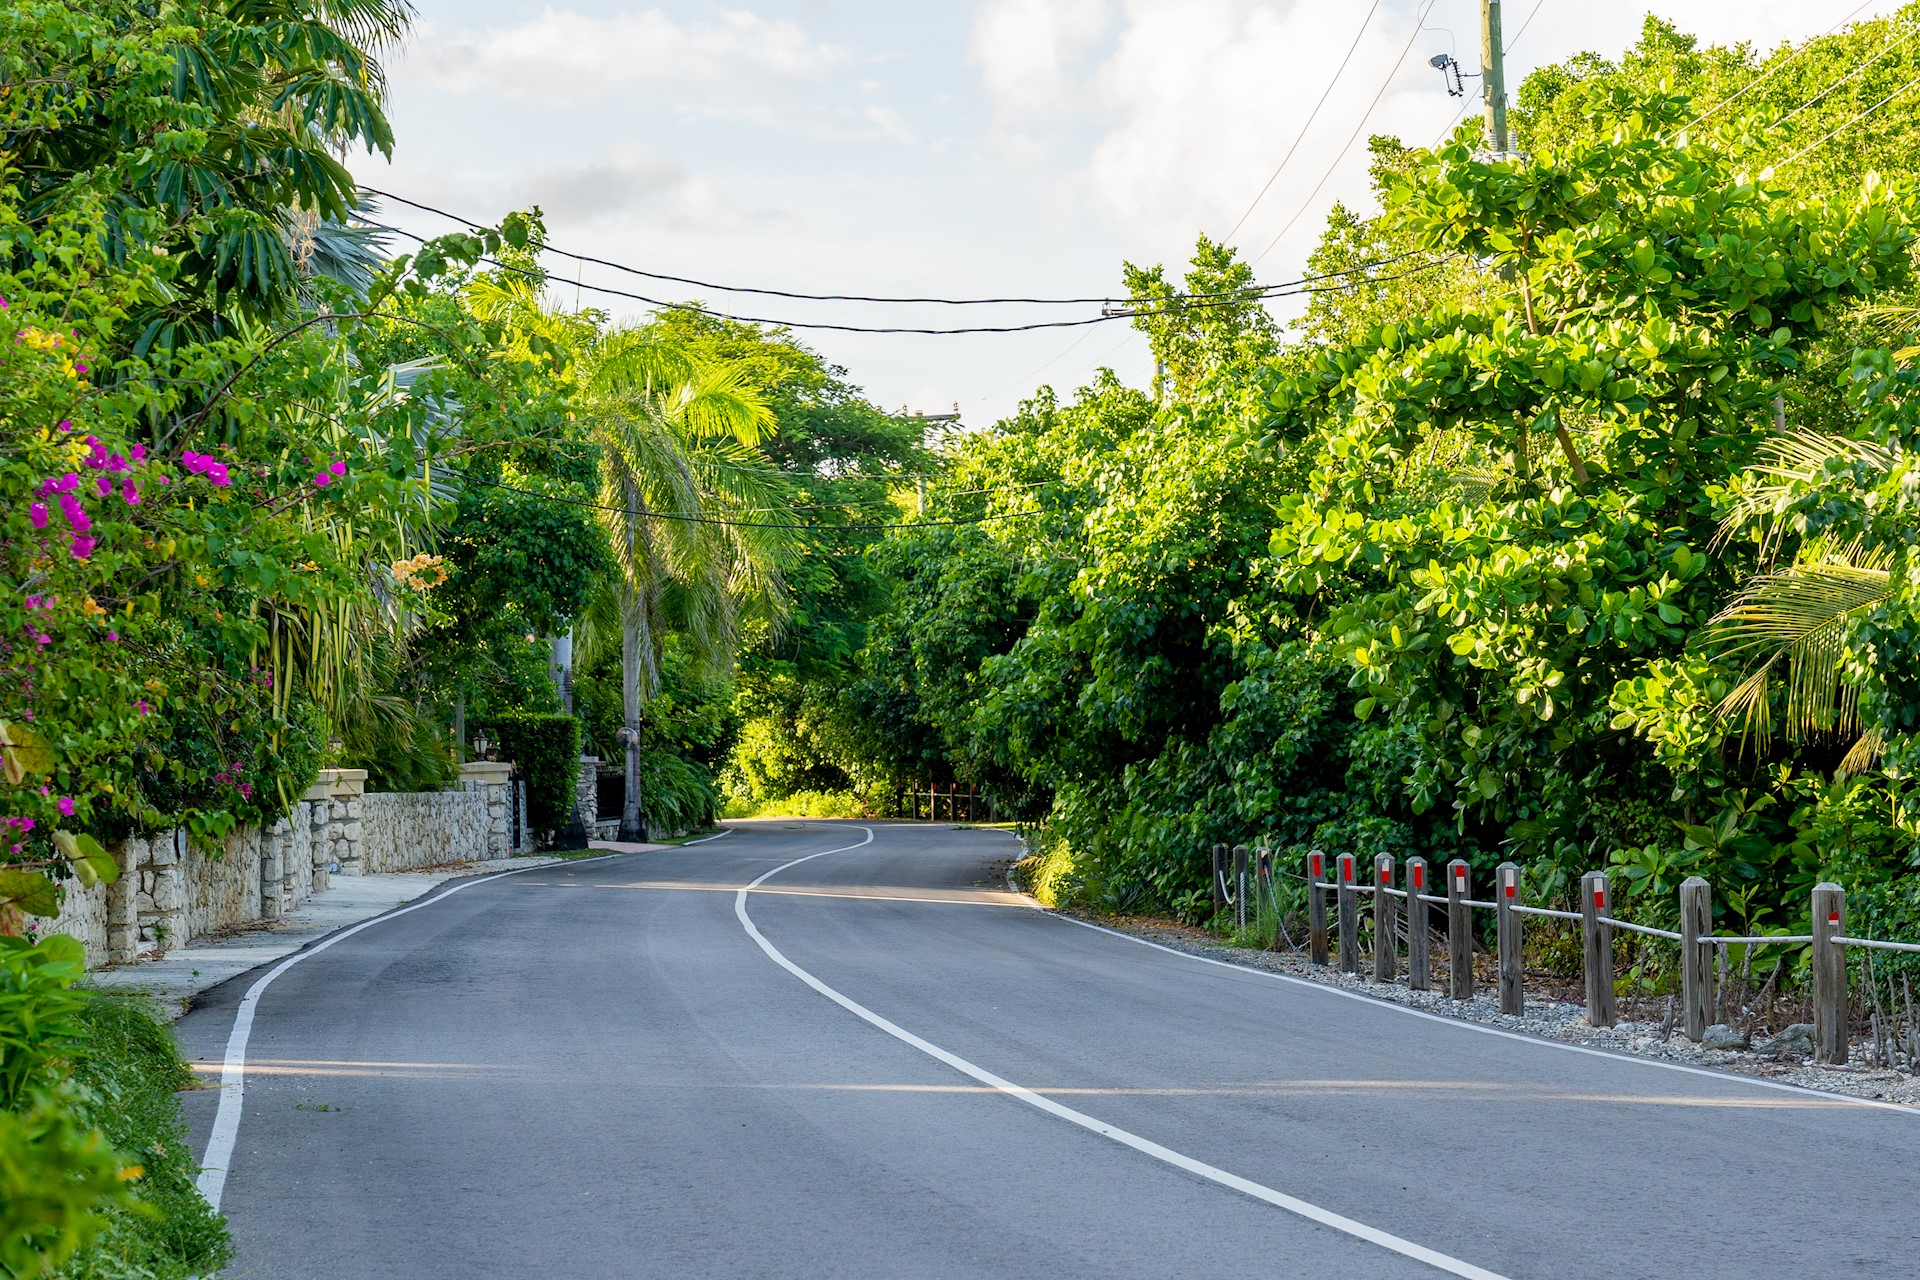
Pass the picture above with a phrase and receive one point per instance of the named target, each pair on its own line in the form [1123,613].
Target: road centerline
[1258,1191]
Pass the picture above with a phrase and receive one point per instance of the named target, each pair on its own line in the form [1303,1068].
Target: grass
[134,1070]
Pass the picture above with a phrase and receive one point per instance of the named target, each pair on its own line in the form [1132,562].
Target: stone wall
[173,890]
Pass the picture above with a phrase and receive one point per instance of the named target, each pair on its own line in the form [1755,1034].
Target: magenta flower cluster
[205,464]
[322,479]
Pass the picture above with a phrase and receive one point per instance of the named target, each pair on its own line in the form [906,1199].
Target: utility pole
[1493,70]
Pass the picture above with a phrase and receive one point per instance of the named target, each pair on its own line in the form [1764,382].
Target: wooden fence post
[1507,932]
[1829,974]
[1316,908]
[1419,975]
[1240,885]
[1386,945]
[1597,943]
[1349,916]
[1263,872]
[1459,931]
[1696,955]
[1219,878]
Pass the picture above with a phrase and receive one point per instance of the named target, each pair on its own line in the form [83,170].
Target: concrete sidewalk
[177,977]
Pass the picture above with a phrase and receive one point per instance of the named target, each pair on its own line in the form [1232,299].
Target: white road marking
[1725,1077]
[1301,1208]
[212,1182]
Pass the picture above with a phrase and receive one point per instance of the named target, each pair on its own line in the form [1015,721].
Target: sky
[991,149]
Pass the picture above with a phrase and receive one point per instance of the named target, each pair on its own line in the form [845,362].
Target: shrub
[678,793]
[130,1070]
[547,751]
[96,1177]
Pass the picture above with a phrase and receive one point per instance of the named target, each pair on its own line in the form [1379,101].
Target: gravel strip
[1547,1018]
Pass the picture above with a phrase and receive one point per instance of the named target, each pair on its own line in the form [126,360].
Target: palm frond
[1799,616]
[1786,466]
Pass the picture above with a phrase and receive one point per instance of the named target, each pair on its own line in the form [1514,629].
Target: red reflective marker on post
[1419,876]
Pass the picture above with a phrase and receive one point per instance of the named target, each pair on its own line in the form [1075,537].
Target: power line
[804,297]
[1886,49]
[1766,75]
[1531,14]
[1180,304]
[1348,145]
[1300,137]
[1857,117]
[748,524]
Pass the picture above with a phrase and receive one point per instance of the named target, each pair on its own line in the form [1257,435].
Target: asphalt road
[597,1070]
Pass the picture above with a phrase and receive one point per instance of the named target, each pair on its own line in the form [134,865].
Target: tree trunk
[636,668]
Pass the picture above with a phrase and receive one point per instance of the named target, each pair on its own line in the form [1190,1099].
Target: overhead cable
[748,524]
[1177,304]
[545,247]
[1849,123]
[1348,145]
[1313,115]
[1768,74]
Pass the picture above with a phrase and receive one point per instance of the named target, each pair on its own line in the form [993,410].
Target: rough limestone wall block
[221,885]
[83,915]
[403,832]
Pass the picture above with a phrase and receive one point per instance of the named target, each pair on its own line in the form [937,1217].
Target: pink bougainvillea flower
[105,485]
[217,472]
[139,453]
[322,480]
[166,479]
[142,706]
[38,513]
[78,367]
[66,424]
[114,636]
[81,547]
[130,492]
[75,513]
[338,468]
[65,805]
[246,789]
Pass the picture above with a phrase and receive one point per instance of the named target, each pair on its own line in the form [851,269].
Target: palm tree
[683,492]
[678,473]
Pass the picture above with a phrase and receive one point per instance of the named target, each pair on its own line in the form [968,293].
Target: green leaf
[1364,707]
[91,863]
[30,891]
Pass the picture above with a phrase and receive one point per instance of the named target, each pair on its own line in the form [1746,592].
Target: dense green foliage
[1570,528]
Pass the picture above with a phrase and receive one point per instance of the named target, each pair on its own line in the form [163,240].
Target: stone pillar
[526,826]
[123,921]
[586,796]
[343,817]
[493,782]
[160,901]
[313,811]
[273,871]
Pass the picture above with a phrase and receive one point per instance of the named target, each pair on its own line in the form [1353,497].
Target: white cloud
[628,183]
[1164,117]
[563,57]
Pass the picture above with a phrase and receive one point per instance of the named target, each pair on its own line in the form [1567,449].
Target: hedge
[547,751]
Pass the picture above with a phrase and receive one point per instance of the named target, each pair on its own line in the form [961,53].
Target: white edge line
[1464,1024]
[212,1182]
[727,831]
[1301,1208]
